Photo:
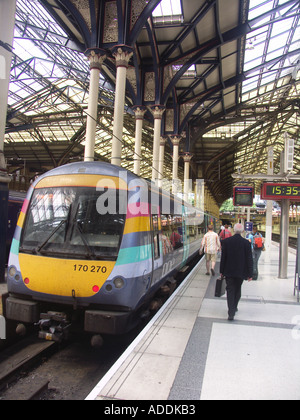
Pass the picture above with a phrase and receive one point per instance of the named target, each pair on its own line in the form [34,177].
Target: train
[93,246]
[15,203]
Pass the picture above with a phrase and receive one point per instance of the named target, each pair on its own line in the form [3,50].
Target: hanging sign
[243,196]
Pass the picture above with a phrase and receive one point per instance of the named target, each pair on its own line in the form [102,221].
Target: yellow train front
[93,245]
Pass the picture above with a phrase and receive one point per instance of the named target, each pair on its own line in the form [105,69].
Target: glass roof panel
[272,39]
[51,80]
[168,8]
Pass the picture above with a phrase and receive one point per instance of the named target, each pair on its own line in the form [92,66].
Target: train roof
[99,168]
[89,168]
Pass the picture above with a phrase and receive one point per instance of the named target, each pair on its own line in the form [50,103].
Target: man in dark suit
[236,266]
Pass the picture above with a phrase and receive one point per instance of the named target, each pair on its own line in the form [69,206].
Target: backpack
[225,234]
[258,242]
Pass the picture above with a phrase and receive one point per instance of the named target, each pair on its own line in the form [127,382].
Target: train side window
[156,233]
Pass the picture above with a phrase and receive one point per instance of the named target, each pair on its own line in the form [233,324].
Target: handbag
[220,287]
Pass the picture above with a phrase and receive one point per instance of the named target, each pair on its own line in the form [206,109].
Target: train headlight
[12,271]
[108,287]
[119,283]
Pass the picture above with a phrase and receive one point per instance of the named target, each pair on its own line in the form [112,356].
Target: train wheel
[97,341]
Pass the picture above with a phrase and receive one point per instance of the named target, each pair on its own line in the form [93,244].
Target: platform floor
[191,352]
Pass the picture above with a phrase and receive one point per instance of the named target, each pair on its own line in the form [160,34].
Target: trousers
[234,293]
[256,256]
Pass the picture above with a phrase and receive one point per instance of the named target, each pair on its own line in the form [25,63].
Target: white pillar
[175,140]
[161,160]
[122,55]
[200,194]
[157,111]
[284,239]
[96,58]
[269,217]
[187,159]
[139,118]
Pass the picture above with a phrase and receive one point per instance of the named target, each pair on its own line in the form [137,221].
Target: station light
[289,154]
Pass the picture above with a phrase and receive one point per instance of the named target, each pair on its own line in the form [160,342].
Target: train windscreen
[70,222]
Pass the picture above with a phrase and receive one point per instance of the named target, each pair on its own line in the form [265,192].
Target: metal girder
[202,105]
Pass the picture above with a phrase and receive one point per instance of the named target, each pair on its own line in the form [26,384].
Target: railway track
[17,360]
[41,370]
[276,238]
[34,369]
[292,241]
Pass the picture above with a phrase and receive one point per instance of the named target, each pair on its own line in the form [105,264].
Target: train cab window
[65,221]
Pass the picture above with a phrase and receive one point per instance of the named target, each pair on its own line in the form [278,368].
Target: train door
[185,235]
[157,249]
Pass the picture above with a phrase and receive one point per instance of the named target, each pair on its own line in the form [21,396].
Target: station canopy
[227,72]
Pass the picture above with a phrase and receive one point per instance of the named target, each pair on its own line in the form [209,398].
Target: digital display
[280,191]
[243,196]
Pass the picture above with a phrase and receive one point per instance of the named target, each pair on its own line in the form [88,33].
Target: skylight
[267,47]
[189,74]
[168,11]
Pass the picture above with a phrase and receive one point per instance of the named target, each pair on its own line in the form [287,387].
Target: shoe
[213,272]
[230,318]
[207,274]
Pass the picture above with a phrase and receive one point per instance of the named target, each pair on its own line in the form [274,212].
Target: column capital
[187,157]
[157,111]
[175,139]
[139,111]
[163,141]
[4,177]
[122,54]
[96,56]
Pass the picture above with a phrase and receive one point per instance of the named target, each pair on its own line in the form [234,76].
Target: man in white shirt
[211,245]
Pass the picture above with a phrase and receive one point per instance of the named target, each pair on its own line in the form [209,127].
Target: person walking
[257,243]
[225,233]
[236,265]
[211,245]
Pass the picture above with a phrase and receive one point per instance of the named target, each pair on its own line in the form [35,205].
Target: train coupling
[54,326]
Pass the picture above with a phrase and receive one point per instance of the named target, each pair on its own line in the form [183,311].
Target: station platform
[190,351]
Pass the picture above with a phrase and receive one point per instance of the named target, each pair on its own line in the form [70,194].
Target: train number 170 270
[91,269]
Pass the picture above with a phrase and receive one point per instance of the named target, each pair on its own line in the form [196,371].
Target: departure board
[243,196]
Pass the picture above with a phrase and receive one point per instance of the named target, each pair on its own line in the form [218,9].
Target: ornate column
[161,160]
[96,58]
[122,54]
[139,118]
[157,111]
[187,157]
[175,139]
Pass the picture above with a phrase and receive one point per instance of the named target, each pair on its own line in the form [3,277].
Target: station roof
[227,72]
